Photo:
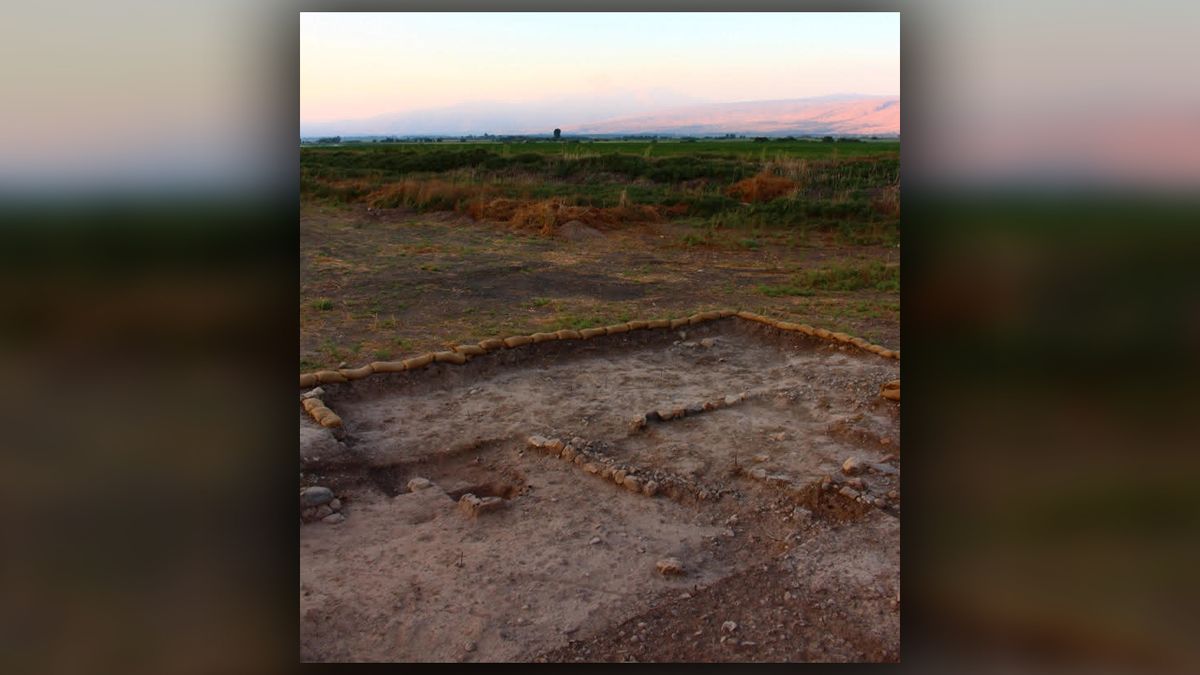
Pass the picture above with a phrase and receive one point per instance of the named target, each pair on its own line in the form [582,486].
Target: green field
[851,188]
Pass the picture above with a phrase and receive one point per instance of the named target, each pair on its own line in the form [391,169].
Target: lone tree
[557,134]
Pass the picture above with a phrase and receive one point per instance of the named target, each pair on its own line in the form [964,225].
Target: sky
[359,65]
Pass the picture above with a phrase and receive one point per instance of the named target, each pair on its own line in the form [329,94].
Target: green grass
[852,276]
[838,185]
[322,304]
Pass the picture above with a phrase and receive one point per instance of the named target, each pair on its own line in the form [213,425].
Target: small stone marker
[417,484]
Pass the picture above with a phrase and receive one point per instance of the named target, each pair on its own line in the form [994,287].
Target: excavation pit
[572,555]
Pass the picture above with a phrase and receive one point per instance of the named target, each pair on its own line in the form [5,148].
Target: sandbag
[517,341]
[804,328]
[676,323]
[449,357]
[638,325]
[566,334]
[822,333]
[859,342]
[588,333]
[749,316]
[329,419]
[356,373]
[330,376]
[695,319]
[470,350]
[418,361]
[491,344]
[543,337]
[659,323]
[893,384]
[387,366]
[840,337]
[616,328]
[308,380]
[310,403]
[786,325]
[711,315]
[725,313]
[891,394]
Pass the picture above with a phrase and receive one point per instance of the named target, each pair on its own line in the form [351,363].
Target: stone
[336,505]
[606,473]
[852,466]
[670,567]
[892,494]
[315,496]
[592,468]
[538,441]
[731,399]
[309,513]
[580,459]
[568,453]
[758,474]
[885,468]
[470,646]
[578,442]
[334,519]
[778,437]
[632,484]
[650,488]
[323,511]
[760,458]
[314,393]
[694,409]
[728,627]
[778,478]
[618,476]
[802,514]
[857,484]
[708,343]
[554,446]
[848,492]
[417,484]
[594,541]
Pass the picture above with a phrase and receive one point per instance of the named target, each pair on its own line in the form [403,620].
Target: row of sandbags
[322,414]
[462,353]
[638,481]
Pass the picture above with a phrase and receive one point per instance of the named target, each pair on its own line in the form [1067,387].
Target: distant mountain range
[841,114]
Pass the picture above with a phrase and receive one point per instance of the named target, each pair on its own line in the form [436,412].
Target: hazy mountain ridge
[874,115]
[839,114]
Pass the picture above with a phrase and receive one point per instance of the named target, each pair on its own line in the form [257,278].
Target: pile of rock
[855,488]
[319,504]
[473,506]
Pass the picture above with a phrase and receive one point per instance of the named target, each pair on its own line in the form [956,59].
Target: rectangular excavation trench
[407,569]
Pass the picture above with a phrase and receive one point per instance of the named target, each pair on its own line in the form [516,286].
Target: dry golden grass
[762,187]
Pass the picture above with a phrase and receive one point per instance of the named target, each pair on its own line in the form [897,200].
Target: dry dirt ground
[381,285]
[785,558]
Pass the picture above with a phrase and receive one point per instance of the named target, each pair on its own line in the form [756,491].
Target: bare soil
[380,285]
[757,510]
